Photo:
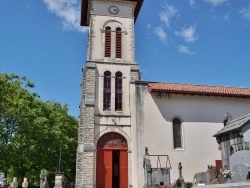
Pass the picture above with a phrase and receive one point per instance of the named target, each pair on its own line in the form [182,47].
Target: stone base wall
[85,151]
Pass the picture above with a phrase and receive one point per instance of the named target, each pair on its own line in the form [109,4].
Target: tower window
[107,91]
[177,133]
[118,53]
[108,42]
[118,91]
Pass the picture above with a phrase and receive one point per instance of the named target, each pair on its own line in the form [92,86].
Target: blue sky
[183,41]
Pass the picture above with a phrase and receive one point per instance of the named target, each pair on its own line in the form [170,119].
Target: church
[121,115]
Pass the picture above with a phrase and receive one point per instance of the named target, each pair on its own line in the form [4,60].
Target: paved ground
[230,185]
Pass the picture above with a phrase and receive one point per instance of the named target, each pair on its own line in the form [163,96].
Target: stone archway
[112,161]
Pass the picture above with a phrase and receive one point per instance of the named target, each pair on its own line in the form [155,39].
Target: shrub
[178,183]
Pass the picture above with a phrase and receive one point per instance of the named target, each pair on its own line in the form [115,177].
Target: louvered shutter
[118,43]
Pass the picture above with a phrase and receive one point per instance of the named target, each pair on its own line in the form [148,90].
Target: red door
[104,164]
[104,169]
[107,168]
[123,169]
[100,178]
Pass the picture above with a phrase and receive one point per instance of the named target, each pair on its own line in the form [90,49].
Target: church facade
[120,115]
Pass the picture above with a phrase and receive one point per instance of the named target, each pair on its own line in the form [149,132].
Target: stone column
[85,154]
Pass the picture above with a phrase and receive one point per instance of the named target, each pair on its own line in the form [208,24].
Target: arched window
[177,133]
[107,91]
[118,91]
[118,45]
[107,41]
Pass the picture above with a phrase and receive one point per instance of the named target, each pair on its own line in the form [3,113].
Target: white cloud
[227,16]
[191,3]
[167,14]
[149,26]
[188,34]
[159,31]
[215,2]
[185,50]
[245,12]
[68,11]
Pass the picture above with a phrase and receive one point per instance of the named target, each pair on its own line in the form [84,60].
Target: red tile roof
[199,90]
[84,10]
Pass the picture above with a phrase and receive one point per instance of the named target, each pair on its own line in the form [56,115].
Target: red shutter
[108,42]
[118,43]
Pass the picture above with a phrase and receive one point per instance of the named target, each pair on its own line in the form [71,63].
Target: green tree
[33,131]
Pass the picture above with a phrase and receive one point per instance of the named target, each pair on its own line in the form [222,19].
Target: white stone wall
[201,118]
[100,18]
[113,68]
[116,121]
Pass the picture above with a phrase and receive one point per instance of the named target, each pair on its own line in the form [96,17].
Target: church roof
[199,90]
[234,125]
[84,10]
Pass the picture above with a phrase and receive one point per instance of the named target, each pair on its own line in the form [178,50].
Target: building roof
[199,90]
[84,10]
[234,125]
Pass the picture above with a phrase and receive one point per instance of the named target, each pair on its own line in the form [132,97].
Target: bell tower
[105,109]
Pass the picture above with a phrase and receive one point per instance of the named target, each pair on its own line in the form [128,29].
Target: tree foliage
[32,132]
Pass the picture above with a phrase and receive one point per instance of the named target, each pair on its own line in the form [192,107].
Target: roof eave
[84,11]
[235,129]
[198,93]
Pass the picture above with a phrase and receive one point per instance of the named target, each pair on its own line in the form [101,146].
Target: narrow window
[118,91]
[108,42]
[107,91]
[118,43]
[177,133]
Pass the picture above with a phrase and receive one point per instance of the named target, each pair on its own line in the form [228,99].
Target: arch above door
[112,140]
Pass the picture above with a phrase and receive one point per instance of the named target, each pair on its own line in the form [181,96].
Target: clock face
[113,9]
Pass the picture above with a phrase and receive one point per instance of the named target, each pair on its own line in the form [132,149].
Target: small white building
[121,115]
[234,142]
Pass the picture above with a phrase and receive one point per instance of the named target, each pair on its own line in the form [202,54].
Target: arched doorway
[112,161]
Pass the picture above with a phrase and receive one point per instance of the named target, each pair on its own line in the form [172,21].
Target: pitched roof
[84,10]
[234,125]
[199,90]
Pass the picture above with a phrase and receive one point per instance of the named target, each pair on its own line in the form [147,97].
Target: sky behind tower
[182,41]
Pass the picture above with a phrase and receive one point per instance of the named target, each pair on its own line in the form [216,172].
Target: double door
[112,168]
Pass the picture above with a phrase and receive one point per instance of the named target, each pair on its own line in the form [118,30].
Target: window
[107,41]
[107,91]
[118,91]
[118,45]
[177,133]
